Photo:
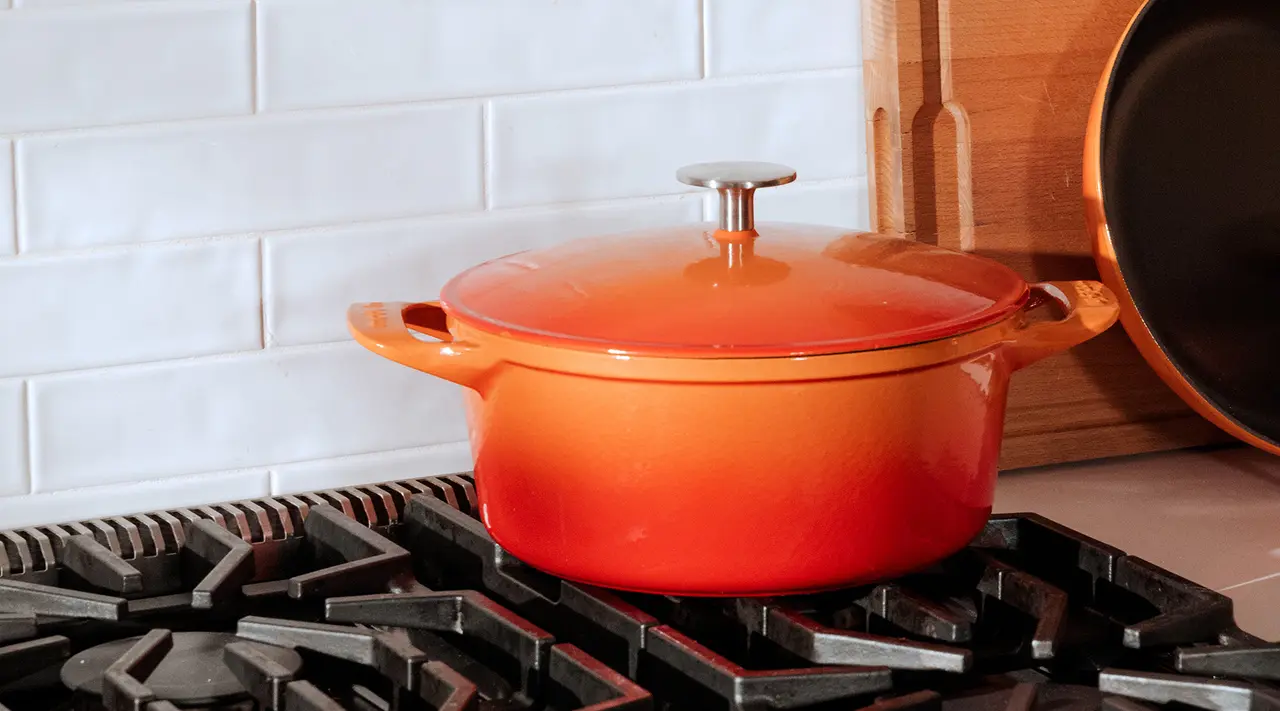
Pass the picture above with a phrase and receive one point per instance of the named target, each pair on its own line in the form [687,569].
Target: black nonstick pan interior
[1191,188]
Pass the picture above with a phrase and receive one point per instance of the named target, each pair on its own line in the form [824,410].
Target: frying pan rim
[1183,384]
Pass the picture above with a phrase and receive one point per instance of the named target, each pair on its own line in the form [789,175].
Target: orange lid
[736,290]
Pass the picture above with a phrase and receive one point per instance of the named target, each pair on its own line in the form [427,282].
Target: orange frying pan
[1182,192]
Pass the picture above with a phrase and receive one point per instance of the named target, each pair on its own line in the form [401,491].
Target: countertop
[1212,516]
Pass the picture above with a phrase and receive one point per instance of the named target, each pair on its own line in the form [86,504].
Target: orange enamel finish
[698,292]
[734,476]
[760,488]
[1109,269]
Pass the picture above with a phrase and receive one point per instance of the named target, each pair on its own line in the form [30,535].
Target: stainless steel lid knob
[736,182]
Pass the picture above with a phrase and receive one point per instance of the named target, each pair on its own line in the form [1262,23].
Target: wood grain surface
[976,113]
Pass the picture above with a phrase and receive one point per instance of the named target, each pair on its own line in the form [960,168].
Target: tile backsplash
[193,191]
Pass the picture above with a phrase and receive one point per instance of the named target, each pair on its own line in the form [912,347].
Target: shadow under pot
[734,409]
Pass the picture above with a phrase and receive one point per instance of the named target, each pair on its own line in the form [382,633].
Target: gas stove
[394,597]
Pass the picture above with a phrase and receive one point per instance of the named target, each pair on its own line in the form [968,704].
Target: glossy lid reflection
[696,291]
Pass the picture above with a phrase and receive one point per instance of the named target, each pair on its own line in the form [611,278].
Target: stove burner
[397,598]
[1203,693]
[1251,661]
[193,672]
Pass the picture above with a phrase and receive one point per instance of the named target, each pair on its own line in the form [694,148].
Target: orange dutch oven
[737,409]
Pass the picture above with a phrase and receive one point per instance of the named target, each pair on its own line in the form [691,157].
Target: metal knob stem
[736,182]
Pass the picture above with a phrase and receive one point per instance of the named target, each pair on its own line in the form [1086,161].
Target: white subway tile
[754,36]
[839,204]
[338,52]
[451,458]
[129,305]
[8,240]
[136,497]
[125,63]
[271,407]
[151,183]
[13,441]
[618,143]
[313,276]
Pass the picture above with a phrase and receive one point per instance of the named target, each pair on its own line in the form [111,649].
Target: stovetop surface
[394,597]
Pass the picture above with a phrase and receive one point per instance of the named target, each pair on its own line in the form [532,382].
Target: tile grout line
[255,70]
[704,31]
[13,193]
[486,155]
[1262,579]
[29,408]
[264,333]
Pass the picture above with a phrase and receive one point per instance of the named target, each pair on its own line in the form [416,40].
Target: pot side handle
[384,329]
[1089,306]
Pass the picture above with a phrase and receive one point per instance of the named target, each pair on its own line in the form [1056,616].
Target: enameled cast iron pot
[741,410]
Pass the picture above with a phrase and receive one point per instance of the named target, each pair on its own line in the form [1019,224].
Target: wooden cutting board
[976,113]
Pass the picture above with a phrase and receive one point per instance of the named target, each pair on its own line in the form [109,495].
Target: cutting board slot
[940,140]
[941,176]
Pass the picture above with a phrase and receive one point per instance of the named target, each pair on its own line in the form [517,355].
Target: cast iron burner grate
[394,597]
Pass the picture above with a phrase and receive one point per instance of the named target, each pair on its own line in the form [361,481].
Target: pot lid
[736,289]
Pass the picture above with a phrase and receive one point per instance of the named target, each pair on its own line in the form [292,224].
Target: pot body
[691,487]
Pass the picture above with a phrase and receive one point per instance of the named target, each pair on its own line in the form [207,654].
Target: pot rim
[667,352]
[471,357]
[518,351]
